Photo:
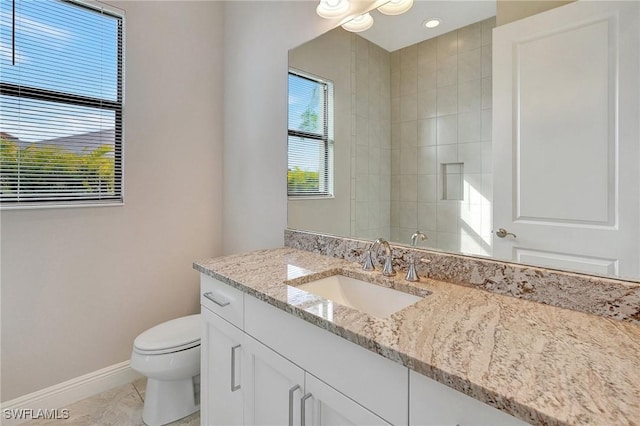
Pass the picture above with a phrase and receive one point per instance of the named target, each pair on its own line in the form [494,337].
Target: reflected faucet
[387,270]
[412,274]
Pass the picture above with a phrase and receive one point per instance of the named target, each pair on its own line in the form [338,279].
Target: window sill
[61,206]
[310,197]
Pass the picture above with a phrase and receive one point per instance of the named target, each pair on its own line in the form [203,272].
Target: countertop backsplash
[605,297]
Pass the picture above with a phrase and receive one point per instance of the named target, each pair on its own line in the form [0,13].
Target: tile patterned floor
[121,406]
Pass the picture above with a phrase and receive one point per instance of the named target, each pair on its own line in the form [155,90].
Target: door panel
[565,93]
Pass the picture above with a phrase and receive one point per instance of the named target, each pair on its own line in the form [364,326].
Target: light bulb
[332,8]
[359,23]
[395,7]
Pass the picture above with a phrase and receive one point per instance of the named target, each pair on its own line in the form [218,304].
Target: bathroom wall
[441,140]
[78,284]
[258,35]
[371,140]
[329,214]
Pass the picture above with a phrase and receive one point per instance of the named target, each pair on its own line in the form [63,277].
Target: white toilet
[169,355]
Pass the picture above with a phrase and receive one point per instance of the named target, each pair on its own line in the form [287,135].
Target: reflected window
[310,136]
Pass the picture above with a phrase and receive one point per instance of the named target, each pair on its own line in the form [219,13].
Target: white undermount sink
[366,297]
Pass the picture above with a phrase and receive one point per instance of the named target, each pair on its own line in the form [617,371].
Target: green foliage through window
[25,170]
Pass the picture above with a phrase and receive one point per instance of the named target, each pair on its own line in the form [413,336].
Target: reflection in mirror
[414,145]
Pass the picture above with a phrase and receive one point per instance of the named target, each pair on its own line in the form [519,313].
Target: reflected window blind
[310,140]
[61,103]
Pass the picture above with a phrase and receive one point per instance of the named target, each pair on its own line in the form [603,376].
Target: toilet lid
[171,336]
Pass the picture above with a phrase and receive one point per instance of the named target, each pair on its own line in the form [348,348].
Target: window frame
[34,93]
[326,139]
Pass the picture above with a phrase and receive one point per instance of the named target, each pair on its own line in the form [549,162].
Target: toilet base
[166,401]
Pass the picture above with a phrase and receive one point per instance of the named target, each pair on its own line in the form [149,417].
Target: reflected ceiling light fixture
[359,23]
[432,22]
[395,7]
[332,8]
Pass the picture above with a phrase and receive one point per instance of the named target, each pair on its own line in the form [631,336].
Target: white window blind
[310,141]
[61,102]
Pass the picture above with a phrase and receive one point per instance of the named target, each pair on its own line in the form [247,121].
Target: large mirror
[535,161]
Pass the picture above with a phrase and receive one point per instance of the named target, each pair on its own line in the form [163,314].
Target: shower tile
[471,155]
[486,125]
[395,84]
[447,100]
[469,127]
[408,81]
[427,103]
[447,153]
[470,96]
[427,188]
[487,30]
[408,161]
[427,50]
[427,213]
[447,73]
[408,134]
[447,45]
[408,188]
[409,57]
[447,217]
[469,65]
[409,107]
[447,130]
[487,88]
[408,215]
[427,160]
[427,134]
[486,61]
[469,37]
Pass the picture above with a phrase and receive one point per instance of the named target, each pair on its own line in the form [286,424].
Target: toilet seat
[172,336]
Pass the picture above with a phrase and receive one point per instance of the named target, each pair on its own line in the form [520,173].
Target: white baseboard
[63,394]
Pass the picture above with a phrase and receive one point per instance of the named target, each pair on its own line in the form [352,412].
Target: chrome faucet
[412,274]
[387,270]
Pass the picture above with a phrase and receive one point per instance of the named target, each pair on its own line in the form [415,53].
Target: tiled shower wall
[371,140]
[441,160]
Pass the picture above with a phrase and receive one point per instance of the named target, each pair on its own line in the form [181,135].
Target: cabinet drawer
[369,379]
[222,299]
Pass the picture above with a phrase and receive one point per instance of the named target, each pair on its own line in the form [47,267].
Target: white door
[221,389]
[272,386]
[322,405]
[565,129]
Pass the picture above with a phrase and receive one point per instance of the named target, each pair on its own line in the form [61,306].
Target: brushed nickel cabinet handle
[291,392]
[220,302]
[234,387]
[302,408]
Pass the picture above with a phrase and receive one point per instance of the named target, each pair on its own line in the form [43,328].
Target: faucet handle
[367,265]
[388,270]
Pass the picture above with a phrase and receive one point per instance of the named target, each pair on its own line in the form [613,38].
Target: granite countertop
[542,364]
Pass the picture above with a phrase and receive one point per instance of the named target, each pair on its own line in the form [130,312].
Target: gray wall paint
[79,284]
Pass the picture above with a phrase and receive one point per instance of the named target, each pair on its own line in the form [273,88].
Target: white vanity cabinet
[432,403]
[272,386]
[264,366]
[220,375]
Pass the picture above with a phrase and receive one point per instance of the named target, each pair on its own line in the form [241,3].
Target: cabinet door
[324,406]
[272,386]
[432,403]
[221,391]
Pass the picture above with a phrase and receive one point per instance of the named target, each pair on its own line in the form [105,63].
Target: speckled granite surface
[600,296]
[540,363]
